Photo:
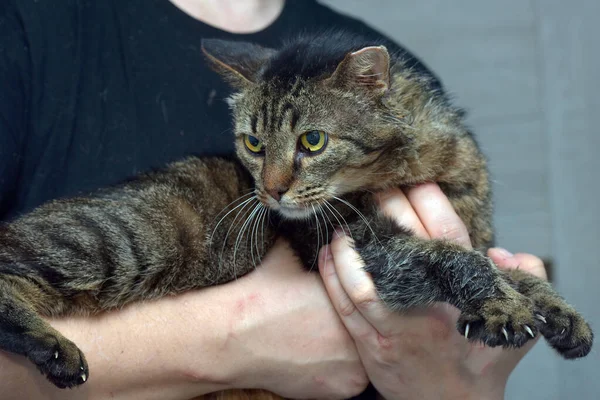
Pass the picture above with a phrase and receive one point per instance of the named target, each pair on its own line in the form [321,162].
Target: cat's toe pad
[563,327]
[500,322]
[59,360]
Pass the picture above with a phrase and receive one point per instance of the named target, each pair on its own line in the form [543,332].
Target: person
[94,92]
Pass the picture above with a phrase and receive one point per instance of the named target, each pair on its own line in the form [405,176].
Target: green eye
[253,144]
[313,141]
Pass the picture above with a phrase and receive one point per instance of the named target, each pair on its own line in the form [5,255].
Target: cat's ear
[367,68]
[238,62]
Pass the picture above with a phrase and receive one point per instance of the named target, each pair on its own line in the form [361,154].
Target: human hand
[273,329]
[419,354]
[287,337]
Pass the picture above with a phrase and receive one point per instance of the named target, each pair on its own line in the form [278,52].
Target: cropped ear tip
[381,49]
[385,51]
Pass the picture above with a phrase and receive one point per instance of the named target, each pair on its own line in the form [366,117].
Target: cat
[320,125]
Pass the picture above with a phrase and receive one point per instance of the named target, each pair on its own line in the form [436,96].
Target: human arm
[251,333]
[419,354]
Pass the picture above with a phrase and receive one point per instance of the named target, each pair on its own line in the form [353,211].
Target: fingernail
[503,252]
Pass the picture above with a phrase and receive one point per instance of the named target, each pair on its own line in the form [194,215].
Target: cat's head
[310,118]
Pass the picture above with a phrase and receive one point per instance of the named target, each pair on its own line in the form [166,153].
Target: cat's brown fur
[202,222]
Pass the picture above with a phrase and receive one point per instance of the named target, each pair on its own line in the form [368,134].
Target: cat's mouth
[293,211]
[290,208]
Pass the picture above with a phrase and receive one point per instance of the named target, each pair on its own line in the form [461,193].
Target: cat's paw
[563,327]
[59,359]
[507,321]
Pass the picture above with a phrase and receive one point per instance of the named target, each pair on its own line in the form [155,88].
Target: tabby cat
[320,125]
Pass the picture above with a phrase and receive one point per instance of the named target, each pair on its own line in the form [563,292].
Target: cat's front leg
[409,271]
[563,327]
[24,332]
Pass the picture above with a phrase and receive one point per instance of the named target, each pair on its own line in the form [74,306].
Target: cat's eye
[253,144]
[313,141]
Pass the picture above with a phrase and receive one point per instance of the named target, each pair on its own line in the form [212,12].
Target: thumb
[525,262]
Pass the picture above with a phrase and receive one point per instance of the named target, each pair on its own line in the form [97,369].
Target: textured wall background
[527,72]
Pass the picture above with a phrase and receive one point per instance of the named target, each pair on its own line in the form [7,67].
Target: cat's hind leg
[562,326]
[24,332]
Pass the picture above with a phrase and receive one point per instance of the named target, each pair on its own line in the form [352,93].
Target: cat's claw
[59,360]
[505,333]
[528,329]
[564,328]
[467,327]
[541,317]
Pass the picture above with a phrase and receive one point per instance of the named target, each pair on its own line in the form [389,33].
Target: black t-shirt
[93,92]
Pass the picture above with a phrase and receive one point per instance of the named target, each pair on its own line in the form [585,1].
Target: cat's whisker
[249,193]
[318,228]
[357,211]
[405,121]
[334,212]
[255,233]
[265,218]
[330,223]
[233,224]
[325,238]
[230,211]
[369,75]
[255,227]
[361,215]
[252,225]
[240,235]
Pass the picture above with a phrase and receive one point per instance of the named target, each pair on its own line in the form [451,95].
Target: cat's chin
[294,212]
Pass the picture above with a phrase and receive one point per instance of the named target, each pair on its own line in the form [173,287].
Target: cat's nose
[277,191]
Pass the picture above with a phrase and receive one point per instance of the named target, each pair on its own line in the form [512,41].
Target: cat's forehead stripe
[273,112]
[288,107]
[298,85]
[264,114]
[253,122]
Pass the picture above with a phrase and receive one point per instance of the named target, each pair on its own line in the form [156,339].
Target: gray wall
[527,72]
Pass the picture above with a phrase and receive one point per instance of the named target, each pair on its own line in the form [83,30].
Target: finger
[526,262]
[357,283]
[355,323]
[395,204]
[437,214]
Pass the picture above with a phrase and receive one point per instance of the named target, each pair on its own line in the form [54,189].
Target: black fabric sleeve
[15,71]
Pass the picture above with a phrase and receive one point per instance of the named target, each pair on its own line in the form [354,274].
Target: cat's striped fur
[201,222]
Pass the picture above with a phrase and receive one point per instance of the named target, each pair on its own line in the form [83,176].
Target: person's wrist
[491,387]
[209,356]
[235,322]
